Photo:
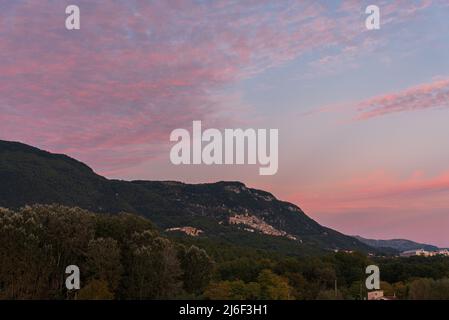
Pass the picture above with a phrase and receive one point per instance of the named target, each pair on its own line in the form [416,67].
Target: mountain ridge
[226,210]
[397,244]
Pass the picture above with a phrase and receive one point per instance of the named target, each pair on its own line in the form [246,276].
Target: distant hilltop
[400,245]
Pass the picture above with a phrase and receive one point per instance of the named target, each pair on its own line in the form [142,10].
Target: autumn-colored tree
[400,290]
[387,288]
[95,290]
[233,290]
[329,295]
[274,287]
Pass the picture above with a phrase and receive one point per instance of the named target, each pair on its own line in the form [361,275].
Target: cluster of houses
[254,223]
[379,295]
[191,231]
[424,253]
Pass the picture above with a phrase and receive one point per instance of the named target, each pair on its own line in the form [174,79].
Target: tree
[421,289]
[299,285]
[357,291]
[96,290]
[425,289]
[387,288]
[273,287]
[37,243]
[329,295]
[218,291]
[233,290]
[350,267]
[154,268]
[197,269]
[400,290]
[441,289]
[103,261]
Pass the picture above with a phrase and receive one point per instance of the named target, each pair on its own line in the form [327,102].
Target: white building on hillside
[418,252]
[424,253]
[375,295]
[379,295]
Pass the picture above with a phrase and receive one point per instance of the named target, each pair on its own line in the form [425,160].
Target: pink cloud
[424,96]
[383,205]
[379,189]
[134,72]
[138,69]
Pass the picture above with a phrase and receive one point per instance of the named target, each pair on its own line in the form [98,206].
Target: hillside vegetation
[31,176]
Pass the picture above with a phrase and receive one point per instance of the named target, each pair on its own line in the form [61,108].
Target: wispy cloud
[138,69]
[424,96]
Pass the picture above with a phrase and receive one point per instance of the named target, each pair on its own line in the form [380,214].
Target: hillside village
[425,253]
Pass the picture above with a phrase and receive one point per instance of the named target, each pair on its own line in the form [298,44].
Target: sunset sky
[363,116]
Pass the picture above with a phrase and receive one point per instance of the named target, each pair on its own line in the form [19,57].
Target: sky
[362,114]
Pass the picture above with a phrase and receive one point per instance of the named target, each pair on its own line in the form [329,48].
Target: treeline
[120,257]
[124,257]
[238,270]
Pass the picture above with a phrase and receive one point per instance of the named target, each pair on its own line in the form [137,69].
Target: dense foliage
[123,256]
[120,256]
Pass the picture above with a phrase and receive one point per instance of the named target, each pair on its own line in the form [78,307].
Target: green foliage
[350,267]
[269,286]
[357,291]
[233,290]
[119,256]
[37,243]
[329,295]
[273,287]
[198,268]
[154,269]
[103,261]
[400,269]
[429,289]
[123,256]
